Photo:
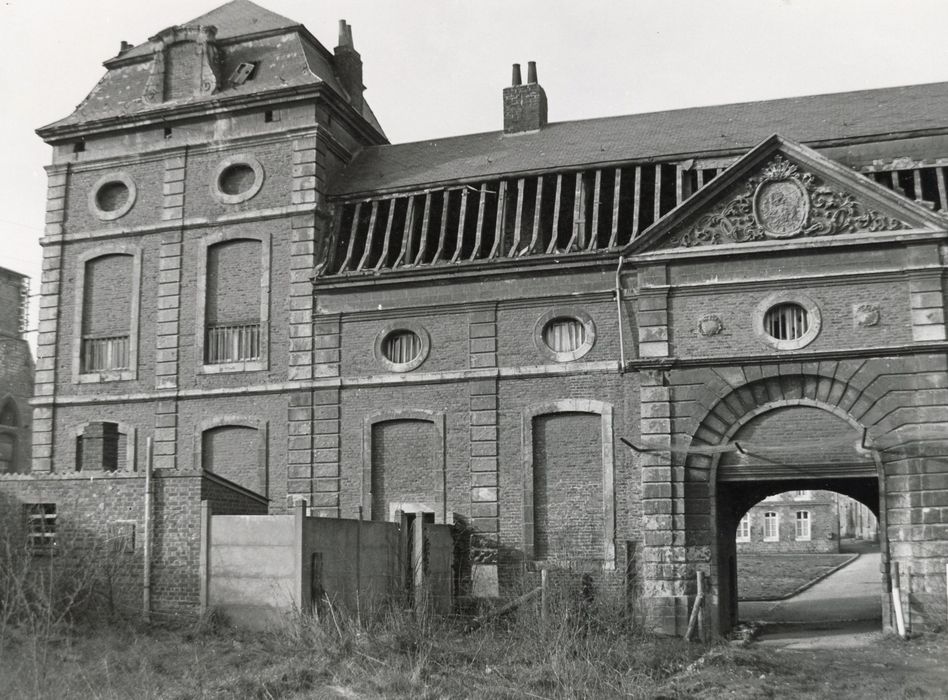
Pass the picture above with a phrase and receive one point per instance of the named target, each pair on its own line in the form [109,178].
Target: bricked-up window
[41,527]
[802,531]
[102,446]
[771,527]
[232,315]
[235,453]
[743,529]
[107,313]
[786,321]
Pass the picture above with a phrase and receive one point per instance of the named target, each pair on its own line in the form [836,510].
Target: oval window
[112,196]
[237,179]
[401,347]
[564,334]
[787,321]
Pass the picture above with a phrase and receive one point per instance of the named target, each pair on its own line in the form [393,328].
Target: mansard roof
[782,191]
[285,53]
[817,120]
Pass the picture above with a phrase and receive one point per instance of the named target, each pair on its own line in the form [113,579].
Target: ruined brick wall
[16,378]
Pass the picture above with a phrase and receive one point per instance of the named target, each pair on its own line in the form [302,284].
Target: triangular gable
[782,190]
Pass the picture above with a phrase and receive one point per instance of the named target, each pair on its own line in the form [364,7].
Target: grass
[776,576]
[404,657]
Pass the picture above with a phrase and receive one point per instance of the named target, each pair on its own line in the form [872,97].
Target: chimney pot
[531,72]
[349,66]
[124,47]
[517,79]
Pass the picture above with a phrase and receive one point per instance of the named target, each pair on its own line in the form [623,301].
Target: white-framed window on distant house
[744,529]
[802,530]
[771,527]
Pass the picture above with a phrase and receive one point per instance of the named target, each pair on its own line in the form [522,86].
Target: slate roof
[286,59]
[718,129]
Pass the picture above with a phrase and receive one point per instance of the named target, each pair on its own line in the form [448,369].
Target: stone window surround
[436,418]
[814,319]
[200,315]
[418,360]
[776,519]
[564,312]
[78,376]
[117,176]
[237,159]
[602,409]
[236,421]
[131,441]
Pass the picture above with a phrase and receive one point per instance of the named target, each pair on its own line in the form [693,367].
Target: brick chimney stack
[349,66]
[525,106]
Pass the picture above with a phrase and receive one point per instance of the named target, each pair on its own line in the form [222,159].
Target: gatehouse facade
[592,346]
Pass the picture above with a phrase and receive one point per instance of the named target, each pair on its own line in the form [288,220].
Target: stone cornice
[365,381]
[667,363]
[190,223]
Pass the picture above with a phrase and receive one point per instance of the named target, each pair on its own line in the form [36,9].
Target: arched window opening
[101,446]
[107,313]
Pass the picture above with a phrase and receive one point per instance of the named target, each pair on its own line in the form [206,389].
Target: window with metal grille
[100,354]
[787,321]
[401,347]
[41,527]
[232,343]
[803,525]
[771,527]
[744,530]
[564,334]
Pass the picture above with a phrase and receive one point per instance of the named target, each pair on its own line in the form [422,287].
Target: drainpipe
[619,315]
[146,536]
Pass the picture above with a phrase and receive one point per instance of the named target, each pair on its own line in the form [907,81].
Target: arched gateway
[779,433]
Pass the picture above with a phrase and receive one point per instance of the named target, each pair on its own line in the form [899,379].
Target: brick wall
[567,486]
[406,465]
[227,499]
[233,282]
[233,452]
[107,297]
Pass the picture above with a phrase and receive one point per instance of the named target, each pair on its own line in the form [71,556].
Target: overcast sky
[437,68]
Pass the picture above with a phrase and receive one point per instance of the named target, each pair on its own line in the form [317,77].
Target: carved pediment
[782,200]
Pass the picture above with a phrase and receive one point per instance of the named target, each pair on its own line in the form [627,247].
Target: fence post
[544,597]
[205,562]
[358,555]
[897,600]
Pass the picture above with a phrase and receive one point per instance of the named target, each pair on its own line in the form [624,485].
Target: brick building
[239,266]
[16,374]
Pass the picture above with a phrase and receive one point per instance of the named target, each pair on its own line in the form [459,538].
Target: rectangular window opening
[771,527]
[803,525]
[41,527]
[102,354]
[79,147]
[168,132]
[232,342]
[743,529]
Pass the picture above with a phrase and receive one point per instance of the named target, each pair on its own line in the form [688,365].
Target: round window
[563,335]
[112,196]
[236,179]
[787,321]
[402,348]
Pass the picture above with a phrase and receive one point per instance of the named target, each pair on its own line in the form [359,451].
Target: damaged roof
[655,136]
[285,53]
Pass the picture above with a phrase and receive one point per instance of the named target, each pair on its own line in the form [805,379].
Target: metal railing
[100,354]
[232,343]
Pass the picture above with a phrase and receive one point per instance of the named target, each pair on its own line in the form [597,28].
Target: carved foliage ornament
[783,202]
